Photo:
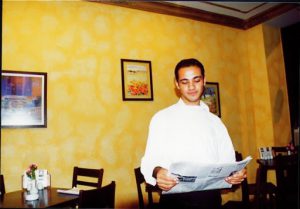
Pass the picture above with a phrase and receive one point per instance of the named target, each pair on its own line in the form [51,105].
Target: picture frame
[136,80]
[211,97]
[23,99]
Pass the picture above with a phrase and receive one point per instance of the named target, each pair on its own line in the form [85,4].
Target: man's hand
[237,177]
[164,181]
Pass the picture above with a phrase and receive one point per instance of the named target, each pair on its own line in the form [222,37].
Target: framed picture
[136,80]
[211,97]
[23,99]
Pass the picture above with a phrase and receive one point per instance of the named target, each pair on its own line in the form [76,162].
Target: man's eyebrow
[185,79]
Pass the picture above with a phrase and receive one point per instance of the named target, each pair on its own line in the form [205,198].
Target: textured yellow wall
[260,94]
[277,86]
[80,44]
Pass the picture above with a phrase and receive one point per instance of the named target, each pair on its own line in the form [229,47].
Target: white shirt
[185,133]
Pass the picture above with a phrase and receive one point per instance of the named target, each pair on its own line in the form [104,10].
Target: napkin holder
[42,177]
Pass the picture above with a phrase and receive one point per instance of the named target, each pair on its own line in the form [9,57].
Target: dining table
[48,197]
[286,169]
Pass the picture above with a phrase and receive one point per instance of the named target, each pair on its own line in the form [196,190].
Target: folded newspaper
[198,177]
[74,191]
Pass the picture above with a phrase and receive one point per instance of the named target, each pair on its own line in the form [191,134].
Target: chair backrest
[95,174]
[287,172]
[98,198]
[244,184]
[279,151]
[140,180]
[287,178]
[2,185]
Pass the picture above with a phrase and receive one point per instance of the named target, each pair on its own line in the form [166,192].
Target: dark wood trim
[269,14]
[179,11]
[233,9]
[201,15]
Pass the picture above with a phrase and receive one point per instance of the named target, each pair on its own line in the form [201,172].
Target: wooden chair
[245,187]
[2,185]
[265,190]
[140,180]
[98,198]
[250,189]
[95,174]
[287,175]
[279,151]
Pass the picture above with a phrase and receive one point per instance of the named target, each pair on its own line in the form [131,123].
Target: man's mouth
[192,93]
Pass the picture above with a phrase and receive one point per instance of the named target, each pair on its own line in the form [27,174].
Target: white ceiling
[241,15]
[243,10]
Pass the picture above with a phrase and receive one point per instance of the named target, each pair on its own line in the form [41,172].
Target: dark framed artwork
[136,80]
[211,96]
[23,99]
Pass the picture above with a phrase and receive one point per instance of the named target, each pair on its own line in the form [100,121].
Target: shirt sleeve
[225,149]
[153,155]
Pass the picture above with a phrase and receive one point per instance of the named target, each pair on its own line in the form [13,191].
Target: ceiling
[246,10]
[242,10]
[241,15]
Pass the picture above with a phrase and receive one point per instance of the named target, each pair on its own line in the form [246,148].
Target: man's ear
[176,83]
[204,81]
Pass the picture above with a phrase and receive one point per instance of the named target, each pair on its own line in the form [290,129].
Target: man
[187,131]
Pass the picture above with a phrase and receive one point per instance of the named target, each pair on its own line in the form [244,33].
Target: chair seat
[98,198]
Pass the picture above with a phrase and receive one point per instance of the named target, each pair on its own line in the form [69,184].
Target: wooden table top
[279,161]
[48,197]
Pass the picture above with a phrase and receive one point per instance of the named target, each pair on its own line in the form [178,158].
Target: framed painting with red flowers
[136,80]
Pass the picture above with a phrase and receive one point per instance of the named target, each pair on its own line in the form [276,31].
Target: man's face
[190,84]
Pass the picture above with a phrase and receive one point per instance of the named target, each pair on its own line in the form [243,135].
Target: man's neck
[191,103]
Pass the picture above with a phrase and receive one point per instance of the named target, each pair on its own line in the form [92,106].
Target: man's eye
[198,79]
[184,82]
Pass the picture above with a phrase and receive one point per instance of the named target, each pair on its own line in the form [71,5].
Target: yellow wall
[277,86]
[80,44]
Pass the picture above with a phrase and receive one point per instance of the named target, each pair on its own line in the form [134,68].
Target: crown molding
[269,14]
[201,15]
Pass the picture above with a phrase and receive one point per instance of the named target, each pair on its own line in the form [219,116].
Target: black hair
[188,63]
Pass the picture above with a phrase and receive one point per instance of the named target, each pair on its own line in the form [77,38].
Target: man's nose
[191,85]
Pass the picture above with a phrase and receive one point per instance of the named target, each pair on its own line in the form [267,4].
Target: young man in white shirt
[187,131]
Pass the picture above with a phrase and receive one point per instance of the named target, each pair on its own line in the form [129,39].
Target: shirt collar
[202,105]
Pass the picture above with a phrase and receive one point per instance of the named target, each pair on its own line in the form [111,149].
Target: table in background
[286,168]
[48,197]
